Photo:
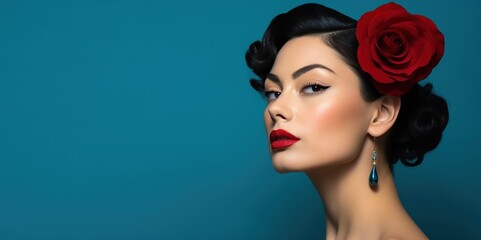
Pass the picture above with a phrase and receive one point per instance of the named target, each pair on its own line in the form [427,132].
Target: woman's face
[315,96]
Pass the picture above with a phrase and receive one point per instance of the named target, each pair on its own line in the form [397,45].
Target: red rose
[396,48]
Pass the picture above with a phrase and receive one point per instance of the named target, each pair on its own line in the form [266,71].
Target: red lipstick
[282,139]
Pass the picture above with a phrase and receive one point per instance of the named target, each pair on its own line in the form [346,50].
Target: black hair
[423,115]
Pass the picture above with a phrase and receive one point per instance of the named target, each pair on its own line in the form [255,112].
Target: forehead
[305,50]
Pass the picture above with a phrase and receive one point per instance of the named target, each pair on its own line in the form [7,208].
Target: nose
[280,109]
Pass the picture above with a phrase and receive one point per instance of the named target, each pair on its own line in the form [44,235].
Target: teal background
[135,120]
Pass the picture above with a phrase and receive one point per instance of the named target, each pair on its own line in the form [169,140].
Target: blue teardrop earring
[373,176]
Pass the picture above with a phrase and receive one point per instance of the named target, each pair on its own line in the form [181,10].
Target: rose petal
[408,29]
[391,6]
[368,65]
[394,89]
[422,58]
[375,25]
[397,48]
[437,36]
[397,17]
[391,44]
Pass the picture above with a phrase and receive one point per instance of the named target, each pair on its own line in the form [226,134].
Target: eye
[271,95]
[313,88]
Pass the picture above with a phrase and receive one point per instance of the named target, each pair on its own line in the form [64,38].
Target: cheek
[267,121]
[337,127]
[336,116]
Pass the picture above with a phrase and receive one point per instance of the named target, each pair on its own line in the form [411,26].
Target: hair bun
[420,124]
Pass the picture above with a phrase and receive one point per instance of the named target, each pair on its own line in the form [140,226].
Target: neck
[352,206]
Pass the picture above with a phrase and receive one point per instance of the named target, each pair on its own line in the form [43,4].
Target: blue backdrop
[135,120]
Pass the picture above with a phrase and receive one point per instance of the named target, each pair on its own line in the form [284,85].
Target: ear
[385,114]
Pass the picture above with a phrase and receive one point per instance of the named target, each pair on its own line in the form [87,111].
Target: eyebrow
[308,68]
[299,72]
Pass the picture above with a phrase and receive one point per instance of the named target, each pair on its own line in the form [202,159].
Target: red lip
[282,139]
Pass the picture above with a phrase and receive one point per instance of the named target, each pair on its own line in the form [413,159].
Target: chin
[287,165]
[300,163]
[281,169]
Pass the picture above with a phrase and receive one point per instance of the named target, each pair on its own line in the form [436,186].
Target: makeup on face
[281,139]
[313,94]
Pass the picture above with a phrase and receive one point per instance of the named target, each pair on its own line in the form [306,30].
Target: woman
[344,105]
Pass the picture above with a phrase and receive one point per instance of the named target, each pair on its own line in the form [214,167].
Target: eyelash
[311,84]
[266,94]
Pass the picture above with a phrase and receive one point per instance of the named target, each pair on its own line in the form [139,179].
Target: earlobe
[385,115]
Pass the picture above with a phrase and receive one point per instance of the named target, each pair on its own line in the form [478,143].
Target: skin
[322,105]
